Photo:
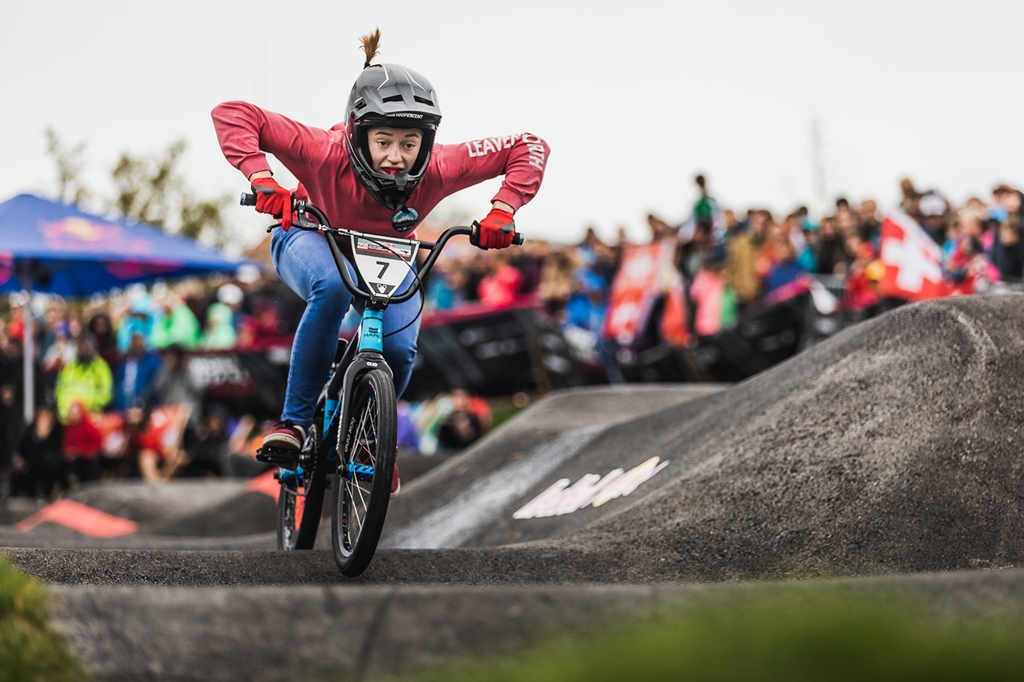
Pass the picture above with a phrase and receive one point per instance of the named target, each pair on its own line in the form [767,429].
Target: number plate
[383,263]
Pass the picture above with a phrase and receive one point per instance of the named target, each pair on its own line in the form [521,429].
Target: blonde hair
[371,41]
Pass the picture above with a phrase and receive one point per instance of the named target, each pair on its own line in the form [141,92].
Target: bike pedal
[282,457]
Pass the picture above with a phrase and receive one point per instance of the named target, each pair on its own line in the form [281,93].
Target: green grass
[794,636]
[30,649]
[502,411]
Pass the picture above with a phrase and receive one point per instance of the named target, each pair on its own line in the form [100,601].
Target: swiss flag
[913,261]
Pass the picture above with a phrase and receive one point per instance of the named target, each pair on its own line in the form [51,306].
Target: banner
[645,273]
[913,261]
[492,352]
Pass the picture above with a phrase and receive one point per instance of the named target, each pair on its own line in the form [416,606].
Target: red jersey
[319,159]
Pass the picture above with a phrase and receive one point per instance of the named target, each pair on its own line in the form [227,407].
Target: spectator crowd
[128,353]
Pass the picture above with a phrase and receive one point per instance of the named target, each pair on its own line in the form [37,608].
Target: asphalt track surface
[891,450]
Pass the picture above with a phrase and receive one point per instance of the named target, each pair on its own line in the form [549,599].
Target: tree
[150,190]
[147,188]
[69,168]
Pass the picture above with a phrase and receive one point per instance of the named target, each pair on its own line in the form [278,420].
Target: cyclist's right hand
[274,199]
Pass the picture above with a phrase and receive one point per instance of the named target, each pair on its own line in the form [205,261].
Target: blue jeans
[303,260]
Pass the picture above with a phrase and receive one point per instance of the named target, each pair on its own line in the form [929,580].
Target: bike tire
[299,513]
[360,506]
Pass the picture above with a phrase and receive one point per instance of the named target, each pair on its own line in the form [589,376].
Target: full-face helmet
[389,95]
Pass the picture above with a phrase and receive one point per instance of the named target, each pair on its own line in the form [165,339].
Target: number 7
[383,269]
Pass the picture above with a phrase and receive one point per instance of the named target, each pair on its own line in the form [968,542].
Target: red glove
[274,199]
[496,230]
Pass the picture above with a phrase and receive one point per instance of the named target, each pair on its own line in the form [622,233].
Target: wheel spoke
[360,503]
[363,452]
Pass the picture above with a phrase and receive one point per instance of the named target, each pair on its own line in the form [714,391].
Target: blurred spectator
[933,210]
[82,444]
[54,325]
[861,289]
[709,294]
[206,446]
[870,228]
[1007,245]
[175,384]
[140,319]
[408,438]
[500,287]
[692,253]
[87,379]
[11,424]
[220,318]
[784,268]
[558,280]
[106,340]
[178,325]
[910,198]
[461,427]
[240,458]
[831,255]
[587,305]
[706,209]
[143,449]
[38,467]
[61,351]
[442,287]
[12,363]
[598,257]
[1012,200]
[136,375]
[740,274]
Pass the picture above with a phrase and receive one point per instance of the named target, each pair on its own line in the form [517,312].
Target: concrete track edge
[348,632]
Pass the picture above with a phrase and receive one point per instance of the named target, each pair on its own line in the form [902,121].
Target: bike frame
[367,350]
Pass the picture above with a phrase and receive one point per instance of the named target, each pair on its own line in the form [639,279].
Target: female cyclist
[380,172]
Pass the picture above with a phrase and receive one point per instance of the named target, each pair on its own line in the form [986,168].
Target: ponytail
[371,42]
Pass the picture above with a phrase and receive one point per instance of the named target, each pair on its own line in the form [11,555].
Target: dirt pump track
[892,448]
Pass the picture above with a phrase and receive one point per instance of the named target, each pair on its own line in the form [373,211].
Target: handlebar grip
[248,199]
[474,238]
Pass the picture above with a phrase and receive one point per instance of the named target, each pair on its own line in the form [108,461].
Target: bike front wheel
[362,485]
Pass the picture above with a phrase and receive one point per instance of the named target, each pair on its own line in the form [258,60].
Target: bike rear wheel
[362,486]
[301,498]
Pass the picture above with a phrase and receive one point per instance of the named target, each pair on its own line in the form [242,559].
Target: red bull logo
[81,234]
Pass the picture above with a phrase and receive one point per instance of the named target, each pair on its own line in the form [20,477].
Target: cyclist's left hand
[496,230]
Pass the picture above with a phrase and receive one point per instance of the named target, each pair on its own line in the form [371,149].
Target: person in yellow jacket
[87,379]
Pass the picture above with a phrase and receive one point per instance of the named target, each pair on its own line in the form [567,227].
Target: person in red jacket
[82,444]
[380,172]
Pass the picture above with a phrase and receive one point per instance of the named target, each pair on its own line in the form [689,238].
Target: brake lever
[300,222]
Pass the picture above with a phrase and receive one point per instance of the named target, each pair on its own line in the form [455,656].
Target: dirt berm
[893,447]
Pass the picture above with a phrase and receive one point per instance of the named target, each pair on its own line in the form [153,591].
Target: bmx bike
[351,444]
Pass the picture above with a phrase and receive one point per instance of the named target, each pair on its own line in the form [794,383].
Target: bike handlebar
[433,247]
[517,237]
